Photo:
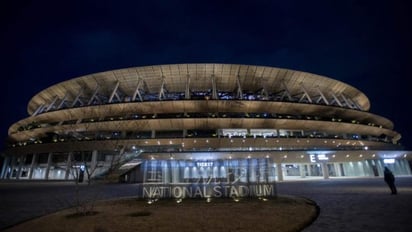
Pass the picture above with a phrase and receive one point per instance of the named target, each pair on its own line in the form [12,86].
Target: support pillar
[279,171]
[337,169]
[49,162]
[33,165]
[68,166]
[12,164]
[4,168]
[325,171]
[302,170]
[21,162]
[93,163]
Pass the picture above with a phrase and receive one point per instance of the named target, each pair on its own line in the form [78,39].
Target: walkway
[347,205]
[355,205]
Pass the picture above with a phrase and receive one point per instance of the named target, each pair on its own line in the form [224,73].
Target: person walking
[390,180]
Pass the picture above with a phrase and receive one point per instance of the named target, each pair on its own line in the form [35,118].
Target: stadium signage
[314,158]
[208,190]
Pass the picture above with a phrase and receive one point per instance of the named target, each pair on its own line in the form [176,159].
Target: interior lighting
[389,161]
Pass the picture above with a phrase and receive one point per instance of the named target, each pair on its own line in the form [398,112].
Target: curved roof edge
[293,77]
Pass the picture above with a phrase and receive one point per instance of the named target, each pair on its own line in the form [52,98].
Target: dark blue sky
[366,44]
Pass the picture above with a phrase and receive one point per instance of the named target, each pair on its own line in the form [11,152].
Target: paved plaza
[355,205]
[350,204]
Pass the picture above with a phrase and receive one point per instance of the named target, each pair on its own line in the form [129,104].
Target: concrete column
[267,168]
[69,165]
[12,164]
[49,162]
[4,168]
[93,163]
[325,171]
[279,171]
[153,134]
[337,169]
[20,167]
[302,170]
[33,165]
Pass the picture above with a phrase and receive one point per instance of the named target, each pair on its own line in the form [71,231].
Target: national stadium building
[182,124]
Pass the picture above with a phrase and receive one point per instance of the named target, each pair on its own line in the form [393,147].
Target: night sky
[363,43]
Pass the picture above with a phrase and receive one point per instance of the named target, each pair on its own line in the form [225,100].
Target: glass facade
[208,171]
[207,178]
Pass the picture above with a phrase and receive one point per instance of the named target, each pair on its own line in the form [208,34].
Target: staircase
[119,167]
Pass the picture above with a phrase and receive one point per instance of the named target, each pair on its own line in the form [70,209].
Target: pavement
[356,204]
[346,204]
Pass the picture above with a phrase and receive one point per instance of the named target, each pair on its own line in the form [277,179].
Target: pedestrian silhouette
[390,180]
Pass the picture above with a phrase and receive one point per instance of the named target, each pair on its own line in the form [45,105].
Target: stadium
[219,125]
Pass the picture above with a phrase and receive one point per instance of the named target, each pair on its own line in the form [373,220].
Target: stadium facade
[202,123]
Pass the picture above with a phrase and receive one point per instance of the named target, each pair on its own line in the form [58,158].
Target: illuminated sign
[312,158]
[322,157]
[389,161]
[318,157]
[205,164]
[206,191]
